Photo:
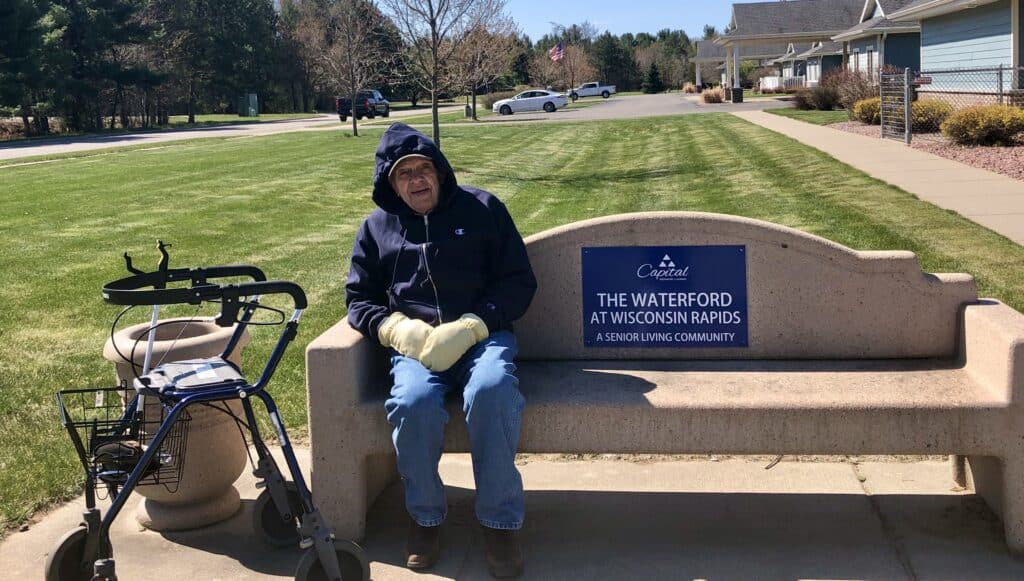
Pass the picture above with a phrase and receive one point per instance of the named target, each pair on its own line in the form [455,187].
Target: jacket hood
[398,141]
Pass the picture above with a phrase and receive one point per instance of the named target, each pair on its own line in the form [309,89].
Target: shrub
[490,99]
[803,99]
[849,86]
[867,111]
[984,125]
[824,98]
[690,88]
[716,95]
[927,116]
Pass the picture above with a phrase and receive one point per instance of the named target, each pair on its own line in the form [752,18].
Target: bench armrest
[993,348]
[344,369]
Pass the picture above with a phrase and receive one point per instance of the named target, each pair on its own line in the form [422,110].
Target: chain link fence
[934,95]
[893,106]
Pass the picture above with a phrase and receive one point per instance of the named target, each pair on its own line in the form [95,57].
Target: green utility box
[248,105]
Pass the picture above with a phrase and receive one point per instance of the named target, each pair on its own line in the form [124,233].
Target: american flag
[557,52]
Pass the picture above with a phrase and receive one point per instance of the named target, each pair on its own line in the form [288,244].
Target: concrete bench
[849,353]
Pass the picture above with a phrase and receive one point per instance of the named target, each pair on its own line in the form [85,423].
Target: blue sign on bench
[665,296]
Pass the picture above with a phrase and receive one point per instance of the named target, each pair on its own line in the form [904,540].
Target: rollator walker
[129,436]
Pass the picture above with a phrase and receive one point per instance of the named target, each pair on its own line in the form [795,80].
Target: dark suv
[368,104]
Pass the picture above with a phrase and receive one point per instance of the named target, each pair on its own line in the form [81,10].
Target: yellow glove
[450,341]
[405,335]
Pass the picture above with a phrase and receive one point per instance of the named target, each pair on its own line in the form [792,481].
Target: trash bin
[469,111]
[737,94]
[215,453]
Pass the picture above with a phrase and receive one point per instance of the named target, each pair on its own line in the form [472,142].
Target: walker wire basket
[110,436]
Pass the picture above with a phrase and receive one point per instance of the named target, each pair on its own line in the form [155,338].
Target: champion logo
[666,262]
[460,231]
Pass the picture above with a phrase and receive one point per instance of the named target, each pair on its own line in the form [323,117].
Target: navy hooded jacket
[465,256]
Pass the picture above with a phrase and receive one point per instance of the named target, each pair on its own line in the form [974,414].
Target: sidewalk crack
[894,539]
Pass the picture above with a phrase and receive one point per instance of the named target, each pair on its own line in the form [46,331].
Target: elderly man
[439,272]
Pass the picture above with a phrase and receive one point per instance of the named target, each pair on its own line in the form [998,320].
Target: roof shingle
[794,17]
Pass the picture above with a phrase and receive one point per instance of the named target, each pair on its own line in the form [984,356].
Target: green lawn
[291,203]
[816,117]
[176,122]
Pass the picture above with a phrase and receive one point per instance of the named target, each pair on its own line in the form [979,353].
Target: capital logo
[665,271]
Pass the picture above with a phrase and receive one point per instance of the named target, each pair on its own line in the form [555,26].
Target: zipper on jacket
[423,247]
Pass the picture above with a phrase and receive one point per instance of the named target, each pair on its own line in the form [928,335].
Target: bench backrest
[808,298]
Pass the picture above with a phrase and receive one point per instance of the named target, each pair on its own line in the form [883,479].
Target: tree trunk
[474,105]
[24,120]
[433,115]
[352,107]
[126,121]
[113,109]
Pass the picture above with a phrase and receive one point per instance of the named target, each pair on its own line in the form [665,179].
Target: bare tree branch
[433,31]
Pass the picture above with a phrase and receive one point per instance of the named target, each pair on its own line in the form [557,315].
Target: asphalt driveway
[617,107]
[636,106]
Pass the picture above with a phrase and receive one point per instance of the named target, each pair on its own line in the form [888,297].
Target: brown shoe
[504,555]
[422,547]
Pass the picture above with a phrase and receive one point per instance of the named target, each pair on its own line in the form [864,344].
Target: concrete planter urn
[216,454]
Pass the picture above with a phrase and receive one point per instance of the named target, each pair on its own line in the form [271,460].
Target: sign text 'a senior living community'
[665,296]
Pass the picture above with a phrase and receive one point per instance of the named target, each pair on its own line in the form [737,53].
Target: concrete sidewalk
[990,199]
[614,519]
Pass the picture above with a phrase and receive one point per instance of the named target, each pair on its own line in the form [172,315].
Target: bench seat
[849,353]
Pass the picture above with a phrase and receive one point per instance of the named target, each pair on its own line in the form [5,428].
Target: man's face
[415,180]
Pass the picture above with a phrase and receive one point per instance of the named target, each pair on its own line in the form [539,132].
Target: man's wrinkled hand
[450,341]
[405,335]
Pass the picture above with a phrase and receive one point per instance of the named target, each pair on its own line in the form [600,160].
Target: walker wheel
[64,563]
[351,561]
[267,521]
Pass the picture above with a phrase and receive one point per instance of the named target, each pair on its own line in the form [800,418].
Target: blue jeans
[493,407]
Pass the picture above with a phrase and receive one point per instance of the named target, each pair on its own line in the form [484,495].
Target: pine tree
[652,80]
[20,44]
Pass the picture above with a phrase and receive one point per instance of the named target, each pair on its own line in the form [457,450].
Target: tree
[342,43]
[710,32]
[652,80]
[575,67]
[610,60]
[543,71]
[519,71]
[433,31]
[20,44]
[484,55]
[83,52]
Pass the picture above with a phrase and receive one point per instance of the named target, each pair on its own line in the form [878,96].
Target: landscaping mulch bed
[1008,161]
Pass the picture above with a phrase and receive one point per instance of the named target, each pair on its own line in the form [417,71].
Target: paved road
[614,108]
[88,143]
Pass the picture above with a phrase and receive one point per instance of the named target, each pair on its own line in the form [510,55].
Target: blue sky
[534,17]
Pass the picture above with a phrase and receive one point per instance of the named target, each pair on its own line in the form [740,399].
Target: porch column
[736,67]
[728,65]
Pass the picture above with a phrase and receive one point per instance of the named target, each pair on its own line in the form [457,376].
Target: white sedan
[532,100]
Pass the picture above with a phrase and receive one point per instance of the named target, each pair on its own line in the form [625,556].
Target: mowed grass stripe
[291,203]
